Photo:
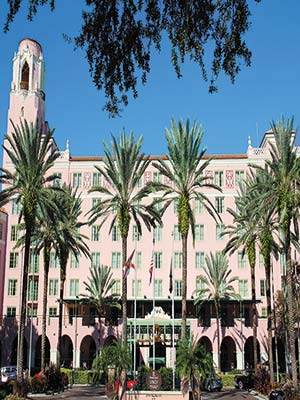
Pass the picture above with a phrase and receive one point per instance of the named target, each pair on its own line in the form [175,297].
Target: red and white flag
[129,264]
[151,268]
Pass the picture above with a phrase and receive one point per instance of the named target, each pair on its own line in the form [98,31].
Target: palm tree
[99,293]
[68,240]
[184,170]
[283,169]
[124,166]
[31,151]
[193,364]
[242,234]
[216,285]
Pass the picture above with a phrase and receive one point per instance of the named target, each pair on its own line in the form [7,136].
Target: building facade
[80,325]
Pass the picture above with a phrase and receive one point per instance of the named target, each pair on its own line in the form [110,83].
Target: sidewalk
[76,392]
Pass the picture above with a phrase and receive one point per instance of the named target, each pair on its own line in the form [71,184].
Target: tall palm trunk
[184,284]
[124,291]
[254,315]
[45,300]
[267,263]
[217,306]
[99,334]
[60,318]
[290,306]
[22,322]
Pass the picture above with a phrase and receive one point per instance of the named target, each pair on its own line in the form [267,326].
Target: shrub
[39,384]
[142,374]
[81,377]
[167,378]
[227,380]
[54,378]
[290,392]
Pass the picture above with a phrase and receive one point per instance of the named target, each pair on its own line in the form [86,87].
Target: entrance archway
[66,352]
[228,354]
[206,343]
[248,353]
[14,352]
[87,351]
[38,352]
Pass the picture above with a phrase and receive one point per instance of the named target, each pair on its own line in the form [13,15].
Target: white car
[8,373]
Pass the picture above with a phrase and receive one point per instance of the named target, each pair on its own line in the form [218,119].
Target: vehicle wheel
[241,385]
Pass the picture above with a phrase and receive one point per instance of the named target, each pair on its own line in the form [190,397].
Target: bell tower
[27,96]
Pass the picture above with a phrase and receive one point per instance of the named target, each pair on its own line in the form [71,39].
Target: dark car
[276,394]
[245,380]
[211,384]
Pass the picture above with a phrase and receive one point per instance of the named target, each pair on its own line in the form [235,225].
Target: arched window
[25,77]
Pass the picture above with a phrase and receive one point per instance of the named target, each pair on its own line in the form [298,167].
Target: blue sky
[265,91]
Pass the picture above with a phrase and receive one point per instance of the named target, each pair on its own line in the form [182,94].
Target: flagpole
[173,314]
[134,323]
[153,312]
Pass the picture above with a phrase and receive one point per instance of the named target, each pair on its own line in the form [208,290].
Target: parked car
[276,394]
[213,383]
[245,380]
[8,373]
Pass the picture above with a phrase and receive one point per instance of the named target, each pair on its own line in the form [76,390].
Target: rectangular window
[74,261]
[138,259]
[264,312]
[116,260]
[177,234]
[261,261]
[15,207]
[282,264]
[57,180]
[178,288]
[95,237]
[157,233]
[136,236]
[33,289]
[74,287]
[53,287]
[239,177]
[262,287]
[77,180]
[32,310]
[220,204]
[13,259]
[54,261]
[199,207]
[158,287]
[200,285]
[116,288]
[157,203]
[219,231]
[242,260]
[12,287]
[96,179]
[158,259]
[11,312]
[199,232]
[178,259]
[34,263]
[243,287]
[115,233]
[157,177]
[95,202]
[52,311]
[200,259]
[176,205]
[95,262]
[14,233]
[219,178]
[138,290]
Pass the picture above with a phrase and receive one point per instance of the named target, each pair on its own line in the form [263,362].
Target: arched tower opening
[24,84]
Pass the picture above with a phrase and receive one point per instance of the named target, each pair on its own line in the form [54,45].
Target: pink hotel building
[80,324]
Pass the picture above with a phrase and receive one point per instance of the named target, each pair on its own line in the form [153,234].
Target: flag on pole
[151,268]
[129,264]
[171,278]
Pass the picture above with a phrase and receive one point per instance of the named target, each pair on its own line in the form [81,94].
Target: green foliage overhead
[119,37]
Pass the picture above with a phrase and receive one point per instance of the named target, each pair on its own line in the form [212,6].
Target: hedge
[81,377]
[227,380]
